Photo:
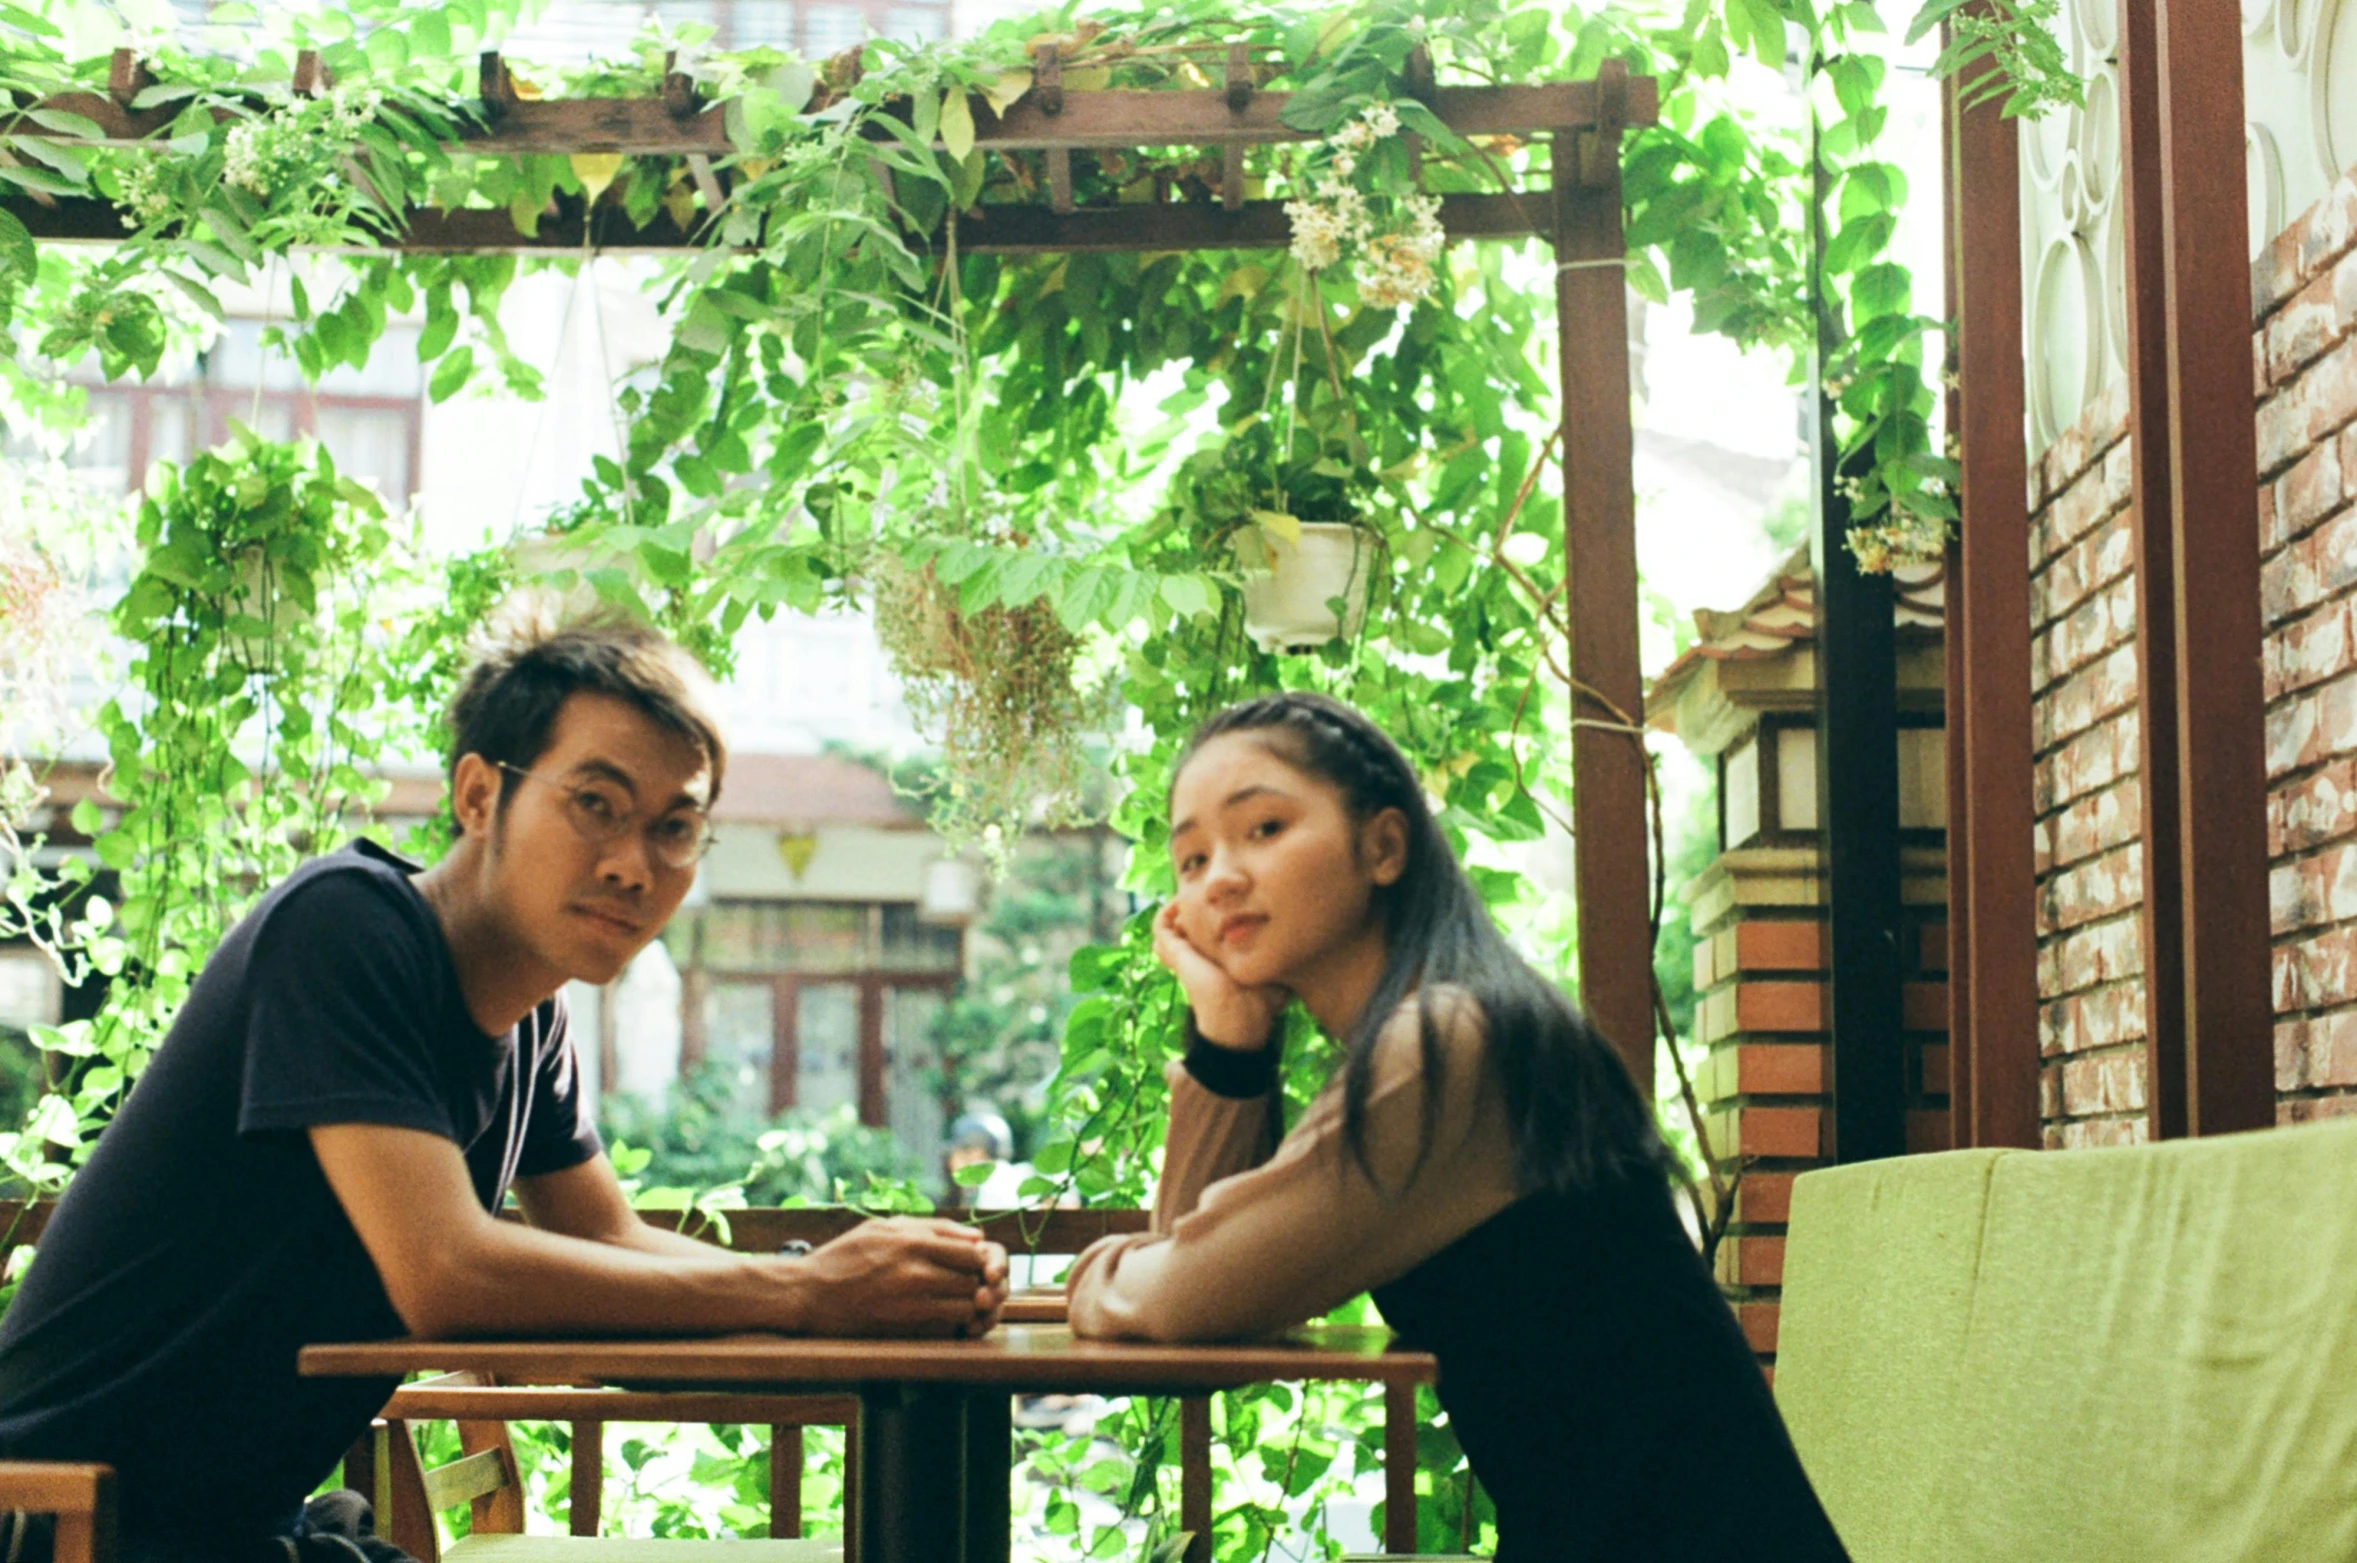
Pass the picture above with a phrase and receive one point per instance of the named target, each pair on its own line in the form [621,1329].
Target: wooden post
[2229,1016]
[127,76]
[1195,1475]
[1858,817]
[586,1498]
[2153,536]
[1240,88]
[1609,817]
[1997,1099]
[1399,1468]
[785,1481]
[1956,660]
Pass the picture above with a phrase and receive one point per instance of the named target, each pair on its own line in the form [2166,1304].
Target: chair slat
[477,1475]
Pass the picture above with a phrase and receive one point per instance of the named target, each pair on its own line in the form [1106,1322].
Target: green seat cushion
[618,1549]
[2162,1356]
[1878,1290]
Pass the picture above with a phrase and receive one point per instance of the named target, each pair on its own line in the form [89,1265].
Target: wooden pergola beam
[998,230]
[1112,120]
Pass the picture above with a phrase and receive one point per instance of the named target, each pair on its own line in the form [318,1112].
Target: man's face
[583,906]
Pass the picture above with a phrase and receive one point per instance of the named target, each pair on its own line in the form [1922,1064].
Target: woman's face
[1275,879]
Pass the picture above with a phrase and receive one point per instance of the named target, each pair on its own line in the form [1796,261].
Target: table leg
[990,1463]
[912,1458]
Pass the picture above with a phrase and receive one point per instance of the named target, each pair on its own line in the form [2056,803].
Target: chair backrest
[2131,1354]
[80,1499]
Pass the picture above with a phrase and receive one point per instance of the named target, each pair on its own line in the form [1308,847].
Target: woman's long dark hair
[1577,1119]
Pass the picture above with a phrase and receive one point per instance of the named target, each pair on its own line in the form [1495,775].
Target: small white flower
[1381,120]
[248,156]
[1345,164]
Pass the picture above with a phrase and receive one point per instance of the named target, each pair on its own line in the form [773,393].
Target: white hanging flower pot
[1291,585]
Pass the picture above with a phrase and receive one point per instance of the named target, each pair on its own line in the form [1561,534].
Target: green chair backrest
[1878,1287]
[2147,1353]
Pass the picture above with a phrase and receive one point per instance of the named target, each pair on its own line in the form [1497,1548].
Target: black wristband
[1230,1071]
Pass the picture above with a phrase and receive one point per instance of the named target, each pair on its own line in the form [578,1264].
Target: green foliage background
[846,394]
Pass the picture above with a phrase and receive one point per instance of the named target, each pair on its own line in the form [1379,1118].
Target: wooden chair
[385,1469]
[81,1498]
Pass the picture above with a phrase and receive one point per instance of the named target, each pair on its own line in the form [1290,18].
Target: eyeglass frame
[623,823]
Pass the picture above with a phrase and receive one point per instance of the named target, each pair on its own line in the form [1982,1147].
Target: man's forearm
[504,1278]
[642,1236]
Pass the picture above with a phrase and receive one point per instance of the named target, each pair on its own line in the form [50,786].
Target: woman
[1482,1163]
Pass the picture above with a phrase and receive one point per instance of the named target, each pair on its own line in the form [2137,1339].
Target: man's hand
[904,1276]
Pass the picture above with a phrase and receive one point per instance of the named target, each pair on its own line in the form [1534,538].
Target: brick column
[1760,979]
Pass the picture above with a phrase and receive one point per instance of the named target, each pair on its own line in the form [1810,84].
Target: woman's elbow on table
[1139,1302]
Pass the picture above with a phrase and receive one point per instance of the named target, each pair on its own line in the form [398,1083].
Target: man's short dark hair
[507,704]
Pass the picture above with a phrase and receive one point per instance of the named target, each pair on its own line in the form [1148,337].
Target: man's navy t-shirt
[200,1248]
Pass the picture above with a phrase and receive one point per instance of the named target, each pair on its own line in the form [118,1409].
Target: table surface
[1039,1357]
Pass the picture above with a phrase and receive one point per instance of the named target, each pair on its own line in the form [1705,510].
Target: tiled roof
[1783,613]
[810,790]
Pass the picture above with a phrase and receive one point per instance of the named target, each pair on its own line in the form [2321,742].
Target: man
[371,1060]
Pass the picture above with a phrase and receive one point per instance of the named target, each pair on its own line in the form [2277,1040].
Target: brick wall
[2305,359]
[2083,659]
[2084,732]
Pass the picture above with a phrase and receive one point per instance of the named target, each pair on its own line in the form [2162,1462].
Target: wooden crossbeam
[996,230]
[1120,119]
[674,126]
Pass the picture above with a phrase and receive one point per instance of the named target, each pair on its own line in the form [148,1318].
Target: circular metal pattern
[2099,140]
[2332,75]
[2066,336]
[2263,168]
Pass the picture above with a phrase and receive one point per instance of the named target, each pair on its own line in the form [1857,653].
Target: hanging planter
[1303,591]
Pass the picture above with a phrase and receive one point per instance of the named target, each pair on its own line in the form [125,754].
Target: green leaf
[38,179]
[957,124]
[161,93]
[429,33]
[974,1176]
[1187,595]
[387,50]
[451,373]
[66,124]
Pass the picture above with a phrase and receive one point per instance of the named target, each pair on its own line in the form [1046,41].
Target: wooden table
[935,1440]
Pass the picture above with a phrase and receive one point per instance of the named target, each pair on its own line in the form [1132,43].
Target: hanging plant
[994,688]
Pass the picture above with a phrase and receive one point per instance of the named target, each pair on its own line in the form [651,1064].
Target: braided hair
[1577,1118]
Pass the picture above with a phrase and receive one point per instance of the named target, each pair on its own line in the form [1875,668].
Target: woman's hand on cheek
[1226,1013]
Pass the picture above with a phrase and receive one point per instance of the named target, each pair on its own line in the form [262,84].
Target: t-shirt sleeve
[337,1028]
[559,1133]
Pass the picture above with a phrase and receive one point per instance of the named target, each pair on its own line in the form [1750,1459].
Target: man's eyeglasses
[601,813]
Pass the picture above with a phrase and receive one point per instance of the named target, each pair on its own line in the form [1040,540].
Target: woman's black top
[1604,1393]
